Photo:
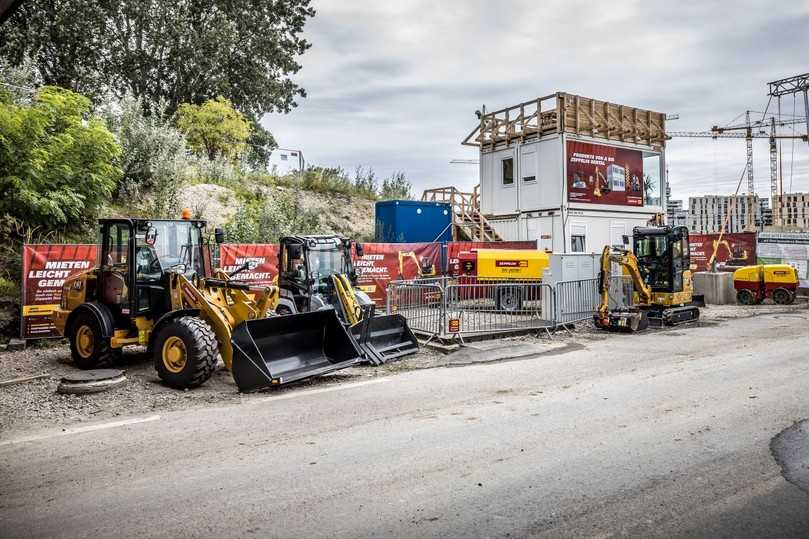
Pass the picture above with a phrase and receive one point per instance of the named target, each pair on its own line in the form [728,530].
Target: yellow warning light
[186,214]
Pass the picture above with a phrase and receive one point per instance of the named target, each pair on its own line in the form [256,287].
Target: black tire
[508,298]
[199,347]
[745,297]
[782,296]
[96,353]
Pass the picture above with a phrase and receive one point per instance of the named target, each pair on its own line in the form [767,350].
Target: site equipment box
[411,221]
[573,267]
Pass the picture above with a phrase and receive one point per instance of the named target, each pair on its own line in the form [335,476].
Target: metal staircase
[468,224]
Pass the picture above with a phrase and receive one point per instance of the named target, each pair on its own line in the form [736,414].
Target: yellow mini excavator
[659,267]
[155,286]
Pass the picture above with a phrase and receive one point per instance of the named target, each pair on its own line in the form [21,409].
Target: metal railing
[578,300]
[449,308]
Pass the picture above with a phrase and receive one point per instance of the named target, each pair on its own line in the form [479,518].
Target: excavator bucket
[282,349]
[384,338]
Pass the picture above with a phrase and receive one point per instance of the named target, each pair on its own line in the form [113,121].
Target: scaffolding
[567,113]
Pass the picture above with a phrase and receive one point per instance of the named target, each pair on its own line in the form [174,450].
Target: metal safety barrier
[421,303]
[578,300]
[450,308]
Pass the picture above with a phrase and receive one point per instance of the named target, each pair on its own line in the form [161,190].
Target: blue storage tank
[409,221]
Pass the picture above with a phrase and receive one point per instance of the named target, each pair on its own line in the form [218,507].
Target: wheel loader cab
[308,264]
[663,257]
[135,258]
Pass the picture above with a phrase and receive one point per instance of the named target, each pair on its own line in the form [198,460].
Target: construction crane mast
[750,130]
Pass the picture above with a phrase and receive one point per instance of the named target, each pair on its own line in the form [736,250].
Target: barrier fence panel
[495,307]
[421,303]
[578,300]
[621,291]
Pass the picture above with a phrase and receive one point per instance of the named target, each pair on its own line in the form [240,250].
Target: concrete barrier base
[716,287]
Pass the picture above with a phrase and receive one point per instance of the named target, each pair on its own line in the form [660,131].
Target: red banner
[386,262]
[734,250]
[263,255]
[455,248]
[44,270]
[599,174]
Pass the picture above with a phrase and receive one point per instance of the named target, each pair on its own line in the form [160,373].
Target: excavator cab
[663,257]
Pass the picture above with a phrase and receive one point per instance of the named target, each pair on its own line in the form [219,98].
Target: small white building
[573,173]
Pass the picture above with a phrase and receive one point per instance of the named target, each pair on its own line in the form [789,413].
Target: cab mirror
[151,235]
[626,240]
[219,235]
[360,250]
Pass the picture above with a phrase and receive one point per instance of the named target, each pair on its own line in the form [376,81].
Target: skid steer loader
[154,286]
[317,272]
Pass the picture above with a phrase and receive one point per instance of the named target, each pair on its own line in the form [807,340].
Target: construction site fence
[453,308]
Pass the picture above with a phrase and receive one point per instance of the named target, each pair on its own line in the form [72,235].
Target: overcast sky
[394,85]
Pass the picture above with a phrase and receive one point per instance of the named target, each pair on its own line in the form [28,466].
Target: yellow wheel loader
[317,272]
[660,270]
[154,286]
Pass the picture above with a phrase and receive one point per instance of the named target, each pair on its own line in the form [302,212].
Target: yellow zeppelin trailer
[505,264]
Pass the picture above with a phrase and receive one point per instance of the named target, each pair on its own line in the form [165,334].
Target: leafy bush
[264,219]
[57,162]
[397,187]
[365,183]
[153,157]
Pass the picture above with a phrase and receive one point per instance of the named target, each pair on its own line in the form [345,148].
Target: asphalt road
[662,434]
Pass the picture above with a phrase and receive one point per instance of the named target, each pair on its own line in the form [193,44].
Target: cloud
[394,85]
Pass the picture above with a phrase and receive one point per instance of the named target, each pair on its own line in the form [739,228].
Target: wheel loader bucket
[384,338]
[282,349]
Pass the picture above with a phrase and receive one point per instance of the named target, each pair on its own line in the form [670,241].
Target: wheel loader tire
[745,297]
[782,296]
[185,352]
[88,346]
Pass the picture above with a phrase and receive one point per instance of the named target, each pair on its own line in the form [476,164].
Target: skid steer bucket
[384,338]
[282,349]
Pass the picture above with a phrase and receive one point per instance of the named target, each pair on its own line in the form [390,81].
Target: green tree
[260,145]
[214,128]
[57,162]
[397,187]
[186,51]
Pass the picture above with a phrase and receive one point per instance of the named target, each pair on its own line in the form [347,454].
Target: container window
[508,171]
[577,243]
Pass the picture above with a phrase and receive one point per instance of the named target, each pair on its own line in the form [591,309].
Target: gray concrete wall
[716,287]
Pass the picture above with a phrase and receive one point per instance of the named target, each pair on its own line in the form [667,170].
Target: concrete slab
[489,352]
[716,287]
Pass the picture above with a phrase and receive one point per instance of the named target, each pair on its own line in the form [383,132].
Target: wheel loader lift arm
[221,304]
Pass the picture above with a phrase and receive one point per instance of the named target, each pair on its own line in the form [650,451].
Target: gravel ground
[36,404]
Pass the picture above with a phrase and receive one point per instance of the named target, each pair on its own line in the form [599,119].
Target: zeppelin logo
[511,263]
